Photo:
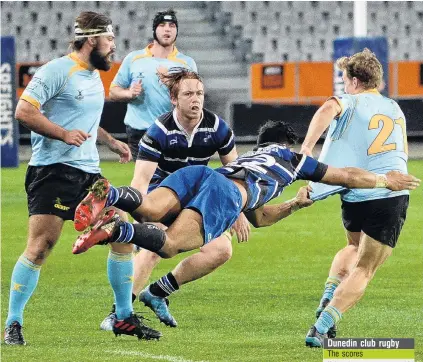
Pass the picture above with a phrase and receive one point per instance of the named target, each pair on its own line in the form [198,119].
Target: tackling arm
[352,177]
[270,214]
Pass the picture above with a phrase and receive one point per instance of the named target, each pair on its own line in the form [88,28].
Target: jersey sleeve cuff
[31,100]
[319,172]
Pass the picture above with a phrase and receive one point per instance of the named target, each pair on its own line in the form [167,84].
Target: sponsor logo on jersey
[79,97]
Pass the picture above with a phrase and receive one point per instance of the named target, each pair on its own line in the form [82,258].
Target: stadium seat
[243,23]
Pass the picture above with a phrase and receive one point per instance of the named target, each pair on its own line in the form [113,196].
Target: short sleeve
[44,85]
[225,137]
[192,65]
[123,76]
[307,168]
[346,103]
[152,144]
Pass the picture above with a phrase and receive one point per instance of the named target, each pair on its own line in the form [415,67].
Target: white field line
[152,356]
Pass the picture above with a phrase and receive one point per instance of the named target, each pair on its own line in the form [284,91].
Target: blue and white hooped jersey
[369,133]
[269,169]
[154,100]
[71,95]
[167,143]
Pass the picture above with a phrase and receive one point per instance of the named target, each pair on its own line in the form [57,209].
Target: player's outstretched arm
[270,214]
[33,119]
[352,177]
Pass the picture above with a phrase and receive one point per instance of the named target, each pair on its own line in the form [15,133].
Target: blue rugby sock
[330,286]
[329,317]
[24,281]
[120,270]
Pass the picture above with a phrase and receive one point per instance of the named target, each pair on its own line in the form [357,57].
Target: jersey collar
[373,90]
[150,54]
[190,138]
[78,61]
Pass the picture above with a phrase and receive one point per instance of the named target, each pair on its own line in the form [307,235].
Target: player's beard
[164,45]
[99,61]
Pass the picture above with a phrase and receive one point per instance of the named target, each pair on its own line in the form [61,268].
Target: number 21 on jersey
[388,126]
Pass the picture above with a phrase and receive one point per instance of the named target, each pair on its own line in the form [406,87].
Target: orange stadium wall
[311,82]
[25,71]
[301,83]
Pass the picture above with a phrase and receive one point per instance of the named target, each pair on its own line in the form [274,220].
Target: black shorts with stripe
[56,189]
[381,219]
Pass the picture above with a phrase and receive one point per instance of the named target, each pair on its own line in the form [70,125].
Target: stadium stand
[262,30]
[224,37]
[303,31]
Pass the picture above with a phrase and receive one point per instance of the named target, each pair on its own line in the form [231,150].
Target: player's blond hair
[172,79]
[364,66]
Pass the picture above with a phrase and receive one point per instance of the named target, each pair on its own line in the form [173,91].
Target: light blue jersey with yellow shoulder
[154,100]
[72,96]
[370,133]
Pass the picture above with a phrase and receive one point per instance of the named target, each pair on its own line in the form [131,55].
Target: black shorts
[56,189]
[381,219]
[134,138]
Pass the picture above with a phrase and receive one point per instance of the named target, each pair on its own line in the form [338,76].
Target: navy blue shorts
[210,193]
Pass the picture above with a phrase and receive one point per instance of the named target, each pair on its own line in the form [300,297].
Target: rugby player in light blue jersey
[137,81]
[62,106]
[188,135]
[367,130]
[207,202]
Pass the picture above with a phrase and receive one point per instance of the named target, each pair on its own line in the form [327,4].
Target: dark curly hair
[364,66]
[276,132]
[173,78]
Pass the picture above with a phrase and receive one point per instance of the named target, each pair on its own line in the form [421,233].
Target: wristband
[381,181]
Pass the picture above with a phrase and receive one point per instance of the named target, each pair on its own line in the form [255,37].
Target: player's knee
[343,273]
[169,249]
[38,249]
[223,253]
[153,258]
[147,257]
[122,248]
[365,271]
[167,253]
[147,212]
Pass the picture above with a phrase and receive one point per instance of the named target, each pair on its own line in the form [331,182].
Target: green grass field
[257,307]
